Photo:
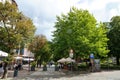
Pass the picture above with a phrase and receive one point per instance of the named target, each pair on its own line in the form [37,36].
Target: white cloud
[43,12]
[114,12]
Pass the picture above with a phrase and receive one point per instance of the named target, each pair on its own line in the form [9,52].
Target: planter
[33,64]
[32,68]
[44,68]
[56,68]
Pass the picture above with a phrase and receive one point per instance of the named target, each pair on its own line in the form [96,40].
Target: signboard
[91,56]
[114,60]
[97,64]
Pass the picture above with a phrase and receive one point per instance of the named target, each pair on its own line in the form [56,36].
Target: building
[27,53]
[10,1]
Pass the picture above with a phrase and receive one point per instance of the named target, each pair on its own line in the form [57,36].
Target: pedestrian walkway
[111,75]
[50,74]
[68,75]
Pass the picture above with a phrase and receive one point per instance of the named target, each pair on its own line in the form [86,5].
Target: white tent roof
[66,60]
[62,60]
[28,59]
[18,58]
[69,60]
[4,54]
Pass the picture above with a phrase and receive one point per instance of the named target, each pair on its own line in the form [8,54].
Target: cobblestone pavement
[111,75]
[65,75]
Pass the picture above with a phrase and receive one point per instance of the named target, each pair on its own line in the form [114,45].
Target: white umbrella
[62,60]
[69,60]
[18,58]
[28,59]
[4,54]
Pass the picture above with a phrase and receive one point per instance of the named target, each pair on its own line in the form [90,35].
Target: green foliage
[15,27]
[33,64]
[44,64]
[113,35]
[8,59]
[78,31]
[40,47]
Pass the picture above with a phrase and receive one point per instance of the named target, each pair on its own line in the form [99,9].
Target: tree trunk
[37,63]
[40,63]
[117,60]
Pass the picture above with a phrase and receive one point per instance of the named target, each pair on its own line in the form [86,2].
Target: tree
[15,28]
[77,30]
[113,35]
[41,49]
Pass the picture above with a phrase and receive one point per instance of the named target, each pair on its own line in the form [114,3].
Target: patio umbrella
[69,60]
[28,59]
[3,54]
[62,60]
[18,58]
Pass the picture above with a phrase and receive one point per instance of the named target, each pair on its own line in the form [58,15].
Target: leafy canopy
[78,31]
[15,28]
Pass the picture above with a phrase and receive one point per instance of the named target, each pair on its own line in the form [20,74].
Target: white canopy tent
[62,60]
[66,60]
[3,54]
[18,58]
[28,59]
[69,60]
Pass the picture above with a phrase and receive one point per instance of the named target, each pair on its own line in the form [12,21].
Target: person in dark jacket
[1,68]
[15,70]
[5,70]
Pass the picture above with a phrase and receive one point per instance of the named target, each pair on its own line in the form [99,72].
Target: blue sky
[43,12]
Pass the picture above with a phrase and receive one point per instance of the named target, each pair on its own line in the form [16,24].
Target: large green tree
[41,49]
[15,28]
[114,36]
[78,31]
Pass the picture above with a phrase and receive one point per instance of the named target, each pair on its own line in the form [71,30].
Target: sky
[44,12]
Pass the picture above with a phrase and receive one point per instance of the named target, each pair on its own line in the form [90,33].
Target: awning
[62,60]
[69,60]
[66,60]
[28,59]
[19,58]
[3,54]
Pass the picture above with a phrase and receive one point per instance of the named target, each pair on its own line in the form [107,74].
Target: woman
[5,70]
[1,68]
[15,70]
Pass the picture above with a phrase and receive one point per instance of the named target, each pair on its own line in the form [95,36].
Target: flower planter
[56,68]
[32,68]
[44,68]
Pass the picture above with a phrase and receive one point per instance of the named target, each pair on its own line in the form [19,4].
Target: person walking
[15,70]
[5,64]
[1,68]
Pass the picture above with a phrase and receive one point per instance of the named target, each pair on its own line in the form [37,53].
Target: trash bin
[97,65]
[15,73]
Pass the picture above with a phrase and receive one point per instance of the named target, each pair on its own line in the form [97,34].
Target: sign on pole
[91,56]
